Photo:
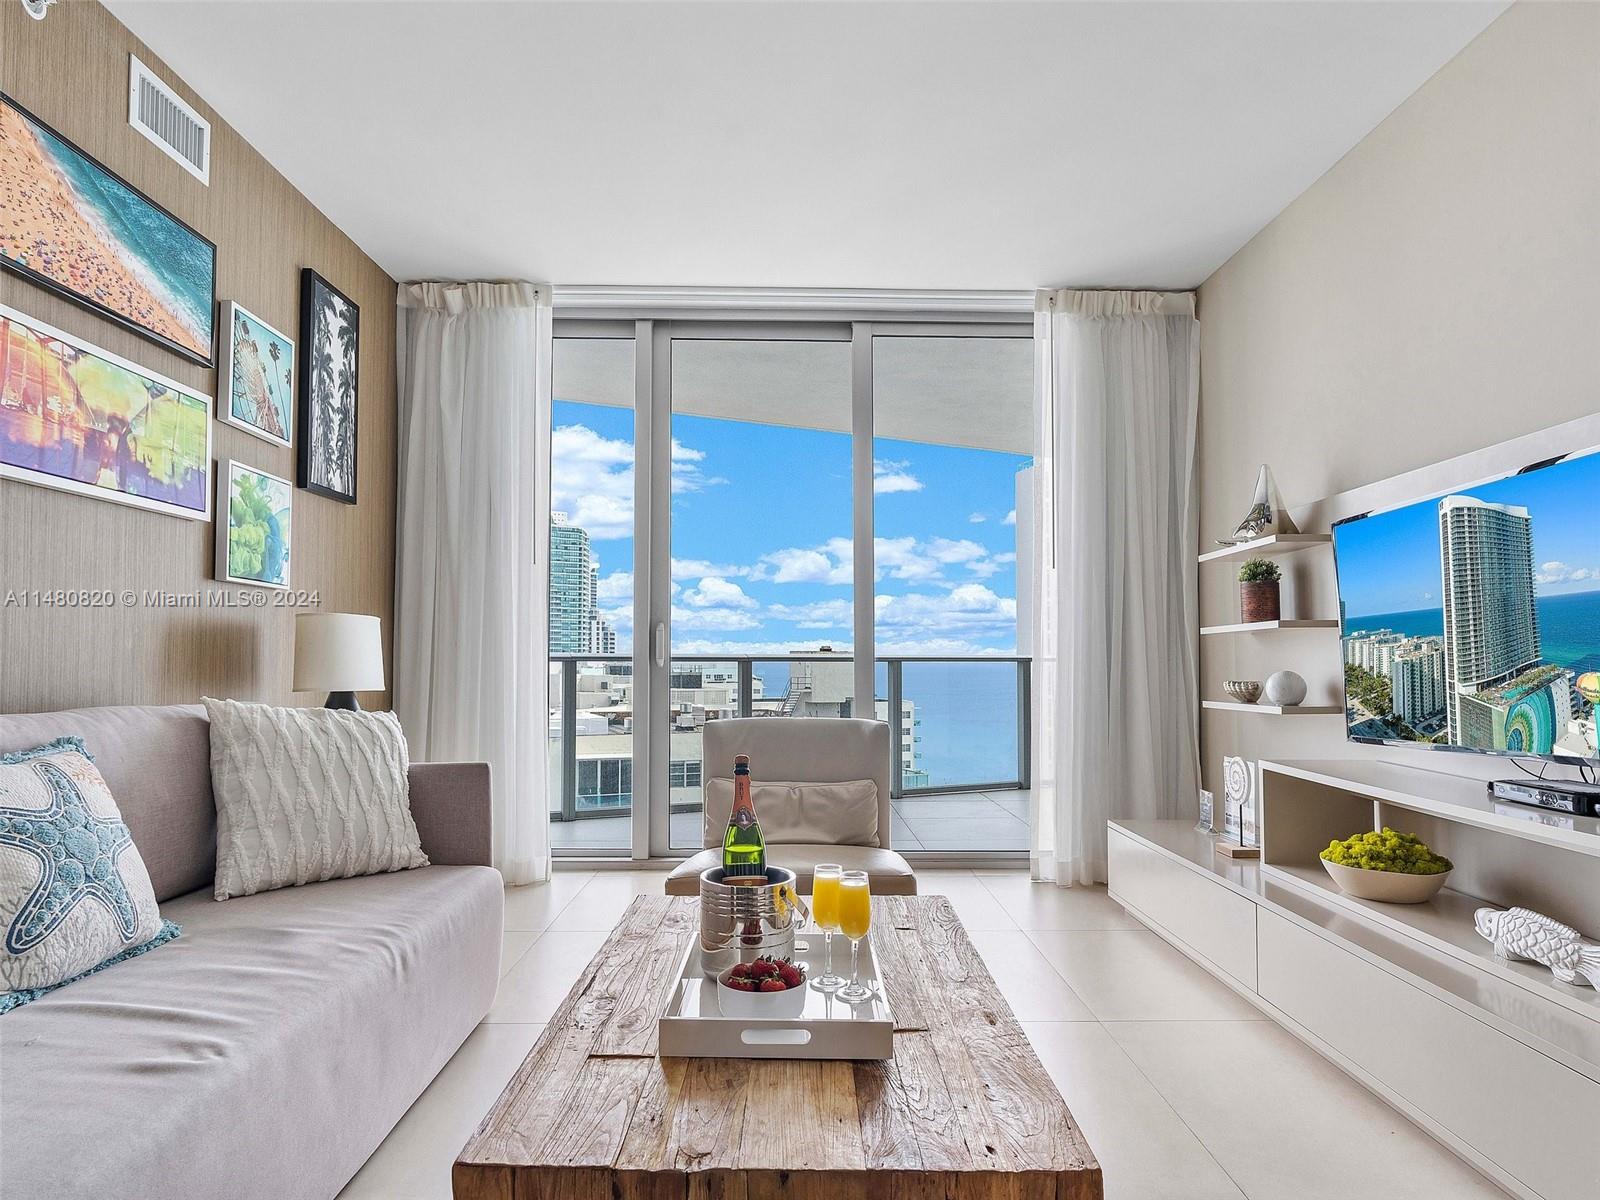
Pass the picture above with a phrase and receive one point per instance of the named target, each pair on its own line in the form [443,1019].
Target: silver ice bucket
[744,923]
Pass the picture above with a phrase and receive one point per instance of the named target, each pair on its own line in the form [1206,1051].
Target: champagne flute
[855,919]
[825,912]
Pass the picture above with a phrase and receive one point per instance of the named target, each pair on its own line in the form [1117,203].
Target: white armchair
[802,751]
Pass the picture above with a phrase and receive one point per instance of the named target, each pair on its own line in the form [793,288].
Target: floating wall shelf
[1266,627]
[1269,547]
[1275,710]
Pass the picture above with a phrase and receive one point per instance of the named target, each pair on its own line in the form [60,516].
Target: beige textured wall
[71,71]
[1434,293]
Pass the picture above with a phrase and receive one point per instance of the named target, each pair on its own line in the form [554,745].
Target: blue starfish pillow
[74,893]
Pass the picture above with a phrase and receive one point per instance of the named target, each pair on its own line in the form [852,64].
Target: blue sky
[1390,562]
[761,525]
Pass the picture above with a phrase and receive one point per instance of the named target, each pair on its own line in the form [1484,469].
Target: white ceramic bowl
[1391,887]
[764,1006]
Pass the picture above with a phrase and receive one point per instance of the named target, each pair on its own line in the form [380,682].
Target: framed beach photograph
[254,526]
[330,328]
[258,368]
[80,419]
[77,228]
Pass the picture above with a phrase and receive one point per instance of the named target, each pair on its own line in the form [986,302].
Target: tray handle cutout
[774,1037]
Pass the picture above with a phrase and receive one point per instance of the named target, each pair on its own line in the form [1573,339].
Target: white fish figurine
[1523,933]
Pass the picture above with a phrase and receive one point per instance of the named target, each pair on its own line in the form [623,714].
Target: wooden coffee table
[964,1109]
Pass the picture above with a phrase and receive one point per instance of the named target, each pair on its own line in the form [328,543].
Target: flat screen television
[1471,621]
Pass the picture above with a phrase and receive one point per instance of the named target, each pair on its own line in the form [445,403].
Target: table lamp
[338,653]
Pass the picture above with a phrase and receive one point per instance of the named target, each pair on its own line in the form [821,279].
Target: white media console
[1494,1058]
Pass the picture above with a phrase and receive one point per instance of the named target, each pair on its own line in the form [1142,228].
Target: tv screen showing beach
[1473,620]
[72,225]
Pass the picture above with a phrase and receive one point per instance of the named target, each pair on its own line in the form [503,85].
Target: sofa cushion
[277,1041]
[889,874]
[73,890]
[157,763]
[845,814]
[307,794]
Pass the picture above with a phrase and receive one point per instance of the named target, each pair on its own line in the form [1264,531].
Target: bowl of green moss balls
[1395,868]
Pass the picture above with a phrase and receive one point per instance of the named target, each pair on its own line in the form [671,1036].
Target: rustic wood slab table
[963,1110]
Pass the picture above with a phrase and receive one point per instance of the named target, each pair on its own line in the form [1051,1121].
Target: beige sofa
[804,750]
[267,1051]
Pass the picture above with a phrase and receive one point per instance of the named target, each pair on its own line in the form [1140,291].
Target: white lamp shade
[338,652]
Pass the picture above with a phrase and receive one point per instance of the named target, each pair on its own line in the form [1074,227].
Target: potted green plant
[1258,590]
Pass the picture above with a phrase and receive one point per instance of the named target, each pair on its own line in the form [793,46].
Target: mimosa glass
[825,912]
[855,919]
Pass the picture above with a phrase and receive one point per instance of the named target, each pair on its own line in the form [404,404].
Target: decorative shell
[1245,691]
[1525,934]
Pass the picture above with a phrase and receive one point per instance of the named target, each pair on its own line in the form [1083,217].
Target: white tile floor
[1182,1090]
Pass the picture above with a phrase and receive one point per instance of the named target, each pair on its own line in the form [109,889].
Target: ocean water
[1569,628]
[171,261]
[966,715]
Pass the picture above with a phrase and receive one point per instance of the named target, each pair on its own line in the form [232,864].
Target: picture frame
[1207,822]
[330,333]
[66,213]
[255,526]
[255,387]
[79,419]
[1238,788]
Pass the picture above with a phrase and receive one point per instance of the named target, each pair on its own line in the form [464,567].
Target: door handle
[658,640]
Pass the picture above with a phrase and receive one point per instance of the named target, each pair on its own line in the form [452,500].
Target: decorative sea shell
[1245,691]
[1523,933]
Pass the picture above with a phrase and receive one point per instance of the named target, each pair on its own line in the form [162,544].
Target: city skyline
[754,577]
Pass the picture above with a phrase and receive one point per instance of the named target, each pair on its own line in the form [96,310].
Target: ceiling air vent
[155,110]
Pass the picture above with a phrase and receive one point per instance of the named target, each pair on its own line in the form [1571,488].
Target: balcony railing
[957,724]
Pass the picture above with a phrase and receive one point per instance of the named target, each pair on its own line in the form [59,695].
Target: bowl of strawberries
[767,987]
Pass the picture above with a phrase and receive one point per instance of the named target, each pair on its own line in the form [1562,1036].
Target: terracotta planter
[1258,601]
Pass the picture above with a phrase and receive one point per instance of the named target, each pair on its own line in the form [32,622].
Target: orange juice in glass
[855,919]
[825,911]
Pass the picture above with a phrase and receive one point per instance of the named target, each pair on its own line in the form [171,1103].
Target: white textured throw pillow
[307,794]
[824,814]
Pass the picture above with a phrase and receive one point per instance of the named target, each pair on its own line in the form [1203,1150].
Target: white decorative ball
[1285,688]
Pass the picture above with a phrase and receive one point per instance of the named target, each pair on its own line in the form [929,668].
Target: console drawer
[1525,1112]
[1214,922]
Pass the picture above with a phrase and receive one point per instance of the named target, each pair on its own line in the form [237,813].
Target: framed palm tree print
[330,327]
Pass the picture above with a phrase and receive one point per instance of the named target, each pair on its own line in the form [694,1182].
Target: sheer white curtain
[1115,626]
[471,571]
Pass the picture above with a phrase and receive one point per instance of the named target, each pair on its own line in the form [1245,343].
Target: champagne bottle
[744,850]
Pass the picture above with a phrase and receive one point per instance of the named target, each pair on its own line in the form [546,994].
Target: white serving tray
[692,1024]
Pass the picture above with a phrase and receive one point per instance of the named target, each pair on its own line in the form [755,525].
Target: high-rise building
[1416,680]
[576,626]
[1491,626]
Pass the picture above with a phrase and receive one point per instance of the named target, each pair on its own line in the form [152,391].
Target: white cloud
[970,609]
[1560,572]
[1010,556]
[796,565]
[822,614]
[699,568]
[976,519]
[591,479]
[712,619]
[1011,518]
[889,476]
[903,558]
[718,593]
[687,475]
[616,586]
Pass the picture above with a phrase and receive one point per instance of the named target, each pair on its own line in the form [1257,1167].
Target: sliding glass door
[735,539]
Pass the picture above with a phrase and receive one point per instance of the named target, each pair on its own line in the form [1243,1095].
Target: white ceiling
[848,145]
